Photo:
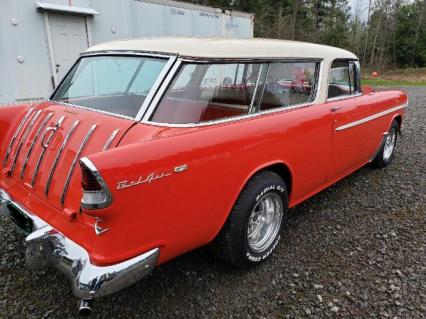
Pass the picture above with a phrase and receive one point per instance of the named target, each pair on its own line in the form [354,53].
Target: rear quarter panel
[186,210]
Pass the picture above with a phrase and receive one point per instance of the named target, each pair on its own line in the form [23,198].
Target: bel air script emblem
[150,178]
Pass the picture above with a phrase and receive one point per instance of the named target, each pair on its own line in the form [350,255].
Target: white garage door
[69,38]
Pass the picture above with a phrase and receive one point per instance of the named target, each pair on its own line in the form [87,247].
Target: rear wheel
[254,226]
[387,151]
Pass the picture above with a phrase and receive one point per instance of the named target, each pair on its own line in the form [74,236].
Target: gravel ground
[357,249]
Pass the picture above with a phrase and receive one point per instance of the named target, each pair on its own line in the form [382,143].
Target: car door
[351,145]
[290,89]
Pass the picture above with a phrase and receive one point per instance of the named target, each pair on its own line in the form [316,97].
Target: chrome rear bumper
[45,246]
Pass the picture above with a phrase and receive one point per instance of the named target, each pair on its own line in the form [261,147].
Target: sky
[361,6]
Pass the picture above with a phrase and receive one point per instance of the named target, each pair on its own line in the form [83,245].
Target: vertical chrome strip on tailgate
[42,126]
[18,130]
[37,167]
[58,156]
[109,141]
[23,139]
[76,158]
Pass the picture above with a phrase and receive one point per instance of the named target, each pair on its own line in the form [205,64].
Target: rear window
[115,84]
[207,92]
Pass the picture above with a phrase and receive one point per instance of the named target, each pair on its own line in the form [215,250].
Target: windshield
[115,84]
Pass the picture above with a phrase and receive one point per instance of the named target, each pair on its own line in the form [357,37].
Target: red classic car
[150,148]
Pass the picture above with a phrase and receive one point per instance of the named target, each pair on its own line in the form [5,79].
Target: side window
[203,92]
[343,80]
[288,84]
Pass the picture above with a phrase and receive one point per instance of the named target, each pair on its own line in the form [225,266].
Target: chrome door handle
[335,108]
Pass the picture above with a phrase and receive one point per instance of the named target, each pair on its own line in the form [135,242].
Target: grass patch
[387,82]
[396,77]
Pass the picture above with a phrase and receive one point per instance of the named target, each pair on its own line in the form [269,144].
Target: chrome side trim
[43,151]
[109,141]
[155,87]
[74,162]
[93,110]
[344,97]
[36,136]
[257,87]
[160,92]
[58,156]
[152,54]
[98,229]
[46,246]
[15,135]
[21,143]
[370,118]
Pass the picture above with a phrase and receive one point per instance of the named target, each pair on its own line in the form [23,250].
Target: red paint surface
[186,210]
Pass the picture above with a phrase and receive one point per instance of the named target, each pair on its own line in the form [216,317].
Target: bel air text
[142,180]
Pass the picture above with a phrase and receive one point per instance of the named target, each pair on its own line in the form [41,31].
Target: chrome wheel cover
[389,145]
[264,222]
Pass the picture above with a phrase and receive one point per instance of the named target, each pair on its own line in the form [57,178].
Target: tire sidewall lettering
[273,187]
[258,257]
[265,254]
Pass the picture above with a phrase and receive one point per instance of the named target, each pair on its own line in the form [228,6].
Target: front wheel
[254,226]
[387,151]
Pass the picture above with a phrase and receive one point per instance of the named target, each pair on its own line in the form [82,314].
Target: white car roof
[226,48]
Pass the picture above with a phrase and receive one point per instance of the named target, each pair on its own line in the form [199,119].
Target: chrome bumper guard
[45,246]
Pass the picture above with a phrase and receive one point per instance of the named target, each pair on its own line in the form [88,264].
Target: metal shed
[40,40]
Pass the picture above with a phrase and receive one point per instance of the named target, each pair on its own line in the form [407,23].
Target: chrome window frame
[358,91]
[170,58]
[256,113]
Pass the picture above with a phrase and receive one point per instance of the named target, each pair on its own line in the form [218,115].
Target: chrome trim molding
[344,97]
[15,135]
[93,110]
[74,162]
[128,52]
[160,92]
[58,156]
[45,246]
[21,143]
[232,118]
[43,151]
[98,229]
[155,87]
[256,87]
[88,163]
[36,136]
[110,139]
[370,118]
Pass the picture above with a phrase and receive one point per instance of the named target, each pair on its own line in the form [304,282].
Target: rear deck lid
[43,152]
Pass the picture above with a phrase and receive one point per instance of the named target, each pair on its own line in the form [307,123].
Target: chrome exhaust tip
[85,308]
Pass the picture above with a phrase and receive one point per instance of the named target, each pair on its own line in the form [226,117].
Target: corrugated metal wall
[26,65]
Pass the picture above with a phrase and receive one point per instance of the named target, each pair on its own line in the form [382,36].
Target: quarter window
[343,79]
[288,84]
[205,92]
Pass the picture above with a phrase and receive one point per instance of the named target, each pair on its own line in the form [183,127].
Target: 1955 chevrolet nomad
[150,148]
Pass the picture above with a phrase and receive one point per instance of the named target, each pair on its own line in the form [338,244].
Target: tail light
[96,194]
